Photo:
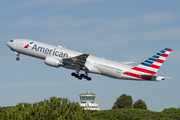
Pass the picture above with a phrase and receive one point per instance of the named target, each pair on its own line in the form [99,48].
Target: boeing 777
[57,56]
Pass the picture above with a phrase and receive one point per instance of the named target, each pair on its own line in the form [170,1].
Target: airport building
[87,101]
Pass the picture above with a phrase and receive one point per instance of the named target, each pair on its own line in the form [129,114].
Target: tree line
[63,109]
[53,109]
[125,102]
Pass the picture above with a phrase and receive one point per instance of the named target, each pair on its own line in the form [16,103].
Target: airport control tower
[87,101]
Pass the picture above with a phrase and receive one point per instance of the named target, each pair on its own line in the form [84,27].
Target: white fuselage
[95,64]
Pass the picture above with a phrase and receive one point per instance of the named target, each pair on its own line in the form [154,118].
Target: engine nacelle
[53,61]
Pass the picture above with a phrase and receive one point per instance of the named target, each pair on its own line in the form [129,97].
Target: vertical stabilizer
[149,66]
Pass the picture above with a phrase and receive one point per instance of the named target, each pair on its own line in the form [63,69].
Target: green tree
[123,102]
[140,104]
[53,109]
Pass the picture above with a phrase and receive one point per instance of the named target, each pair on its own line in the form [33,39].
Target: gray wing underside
[78,62]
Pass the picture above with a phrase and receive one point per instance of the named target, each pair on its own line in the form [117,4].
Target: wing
[78,62]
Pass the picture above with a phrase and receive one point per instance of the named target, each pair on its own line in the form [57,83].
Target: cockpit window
[11,40]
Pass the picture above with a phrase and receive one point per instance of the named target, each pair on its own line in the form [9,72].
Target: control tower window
[93,98]
[88,98]
[83,98]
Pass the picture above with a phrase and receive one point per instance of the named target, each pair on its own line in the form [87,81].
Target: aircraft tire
[17,58]
[82,75]
[89,78]
[80,78]
[85,77]
[76,76]
[73,74]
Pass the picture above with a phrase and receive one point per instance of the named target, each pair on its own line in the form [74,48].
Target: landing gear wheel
[82,75]
[76,76]
[89,78]
[85,77]
[80,78]
[73,74]
[17,58]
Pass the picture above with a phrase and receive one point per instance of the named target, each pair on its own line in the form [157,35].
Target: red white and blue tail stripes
[149,66]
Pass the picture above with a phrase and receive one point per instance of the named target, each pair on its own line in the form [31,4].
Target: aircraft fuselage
[92,63]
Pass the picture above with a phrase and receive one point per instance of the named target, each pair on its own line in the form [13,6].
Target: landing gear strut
[85,76]
[17,58]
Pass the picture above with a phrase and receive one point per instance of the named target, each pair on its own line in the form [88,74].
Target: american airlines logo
[49,51]
[28,45]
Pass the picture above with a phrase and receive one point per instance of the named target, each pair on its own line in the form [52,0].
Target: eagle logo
[26,46]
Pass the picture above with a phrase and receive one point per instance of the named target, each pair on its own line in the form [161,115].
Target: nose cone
[8,44]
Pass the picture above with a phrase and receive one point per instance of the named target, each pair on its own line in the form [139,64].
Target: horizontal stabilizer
[152,77]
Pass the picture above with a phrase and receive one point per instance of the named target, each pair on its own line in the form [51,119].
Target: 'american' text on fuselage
[49,51]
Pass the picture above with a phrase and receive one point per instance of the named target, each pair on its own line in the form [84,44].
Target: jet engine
[53,61]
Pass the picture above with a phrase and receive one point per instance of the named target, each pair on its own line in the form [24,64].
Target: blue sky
[114,29]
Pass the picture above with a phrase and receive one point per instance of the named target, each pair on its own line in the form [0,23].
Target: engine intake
[53,61]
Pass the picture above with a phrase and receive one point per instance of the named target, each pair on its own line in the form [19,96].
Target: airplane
[56,56]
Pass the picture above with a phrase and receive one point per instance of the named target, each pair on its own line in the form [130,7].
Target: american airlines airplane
[57,56]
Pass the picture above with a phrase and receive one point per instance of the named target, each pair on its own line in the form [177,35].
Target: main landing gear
[76,75]
[17,58]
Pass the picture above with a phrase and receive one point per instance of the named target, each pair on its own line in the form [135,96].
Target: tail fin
[152,64]
[147,69]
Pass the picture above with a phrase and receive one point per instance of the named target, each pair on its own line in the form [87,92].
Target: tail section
[150,66]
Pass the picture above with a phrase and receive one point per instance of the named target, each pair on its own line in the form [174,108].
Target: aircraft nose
[8,44]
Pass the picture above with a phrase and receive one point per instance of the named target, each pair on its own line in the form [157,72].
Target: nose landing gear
[85,76]
[17,58]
